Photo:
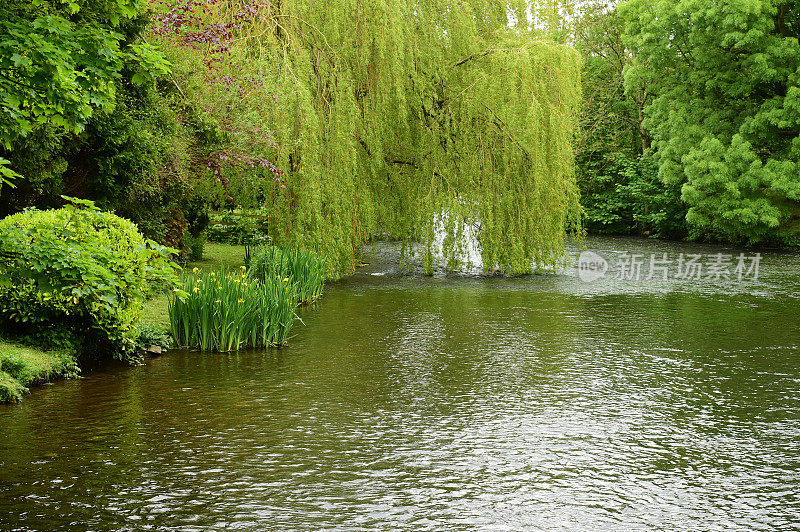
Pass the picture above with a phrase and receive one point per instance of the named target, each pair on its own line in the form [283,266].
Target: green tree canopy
[726,113]
[620,189]
[388,113]
[60,60]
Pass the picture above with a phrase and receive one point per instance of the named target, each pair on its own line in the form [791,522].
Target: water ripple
[408,403]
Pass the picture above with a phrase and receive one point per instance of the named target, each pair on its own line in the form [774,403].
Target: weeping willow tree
[396,117]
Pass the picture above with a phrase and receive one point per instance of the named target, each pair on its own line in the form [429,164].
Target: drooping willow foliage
[393,114]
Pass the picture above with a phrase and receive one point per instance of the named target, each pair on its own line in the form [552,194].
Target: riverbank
[24,366]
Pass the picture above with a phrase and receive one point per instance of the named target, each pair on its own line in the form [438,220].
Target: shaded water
[446,404]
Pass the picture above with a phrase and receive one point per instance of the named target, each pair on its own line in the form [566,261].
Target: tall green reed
[226,311]
[300,266]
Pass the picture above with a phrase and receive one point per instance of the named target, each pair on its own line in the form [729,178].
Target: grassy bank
[21,367]
[215,257]
[25,366]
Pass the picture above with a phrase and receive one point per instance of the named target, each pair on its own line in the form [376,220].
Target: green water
[414,403]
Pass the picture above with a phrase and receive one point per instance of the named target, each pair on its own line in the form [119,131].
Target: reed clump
[303,268]
[226,311]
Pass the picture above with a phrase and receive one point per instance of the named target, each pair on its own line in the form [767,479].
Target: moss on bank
[22,366]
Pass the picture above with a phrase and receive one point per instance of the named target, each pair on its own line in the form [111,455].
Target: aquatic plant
[300,266]
[226,311]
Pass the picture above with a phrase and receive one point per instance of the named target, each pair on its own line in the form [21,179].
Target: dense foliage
[386,114]
[238,226]
[611,120]
[78,273]
[620,189]
[86,109]
[725,114]
[60,63]
[625,196]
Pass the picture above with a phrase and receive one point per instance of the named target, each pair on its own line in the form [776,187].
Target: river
[407,402]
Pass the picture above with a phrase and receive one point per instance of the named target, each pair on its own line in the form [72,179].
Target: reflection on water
[446,404]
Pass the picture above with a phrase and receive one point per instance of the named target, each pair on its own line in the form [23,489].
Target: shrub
[626,196]
[229,311]
[81,271]
[197,246]
[301,266]
[237,227]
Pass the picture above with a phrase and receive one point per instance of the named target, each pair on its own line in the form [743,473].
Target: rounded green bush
[79,270]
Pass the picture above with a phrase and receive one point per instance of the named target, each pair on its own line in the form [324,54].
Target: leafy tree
[726,110]
[85,110]
[59,62]
[7,175]
[626,196]
[620,189]
[611,121]
[388,114]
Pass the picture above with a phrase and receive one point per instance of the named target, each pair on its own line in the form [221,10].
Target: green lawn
[218,256]
[22,366]
[215,257]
